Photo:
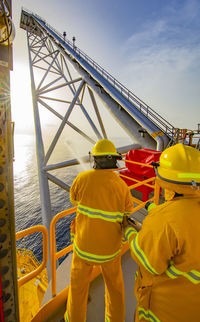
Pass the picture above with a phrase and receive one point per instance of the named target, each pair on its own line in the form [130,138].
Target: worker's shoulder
[85,174]
[162,212]
[171,210]
[102,175]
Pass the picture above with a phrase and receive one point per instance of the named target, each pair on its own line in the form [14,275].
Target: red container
[140,172]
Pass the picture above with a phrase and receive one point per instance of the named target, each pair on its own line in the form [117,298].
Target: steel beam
[43,180]
[53,144]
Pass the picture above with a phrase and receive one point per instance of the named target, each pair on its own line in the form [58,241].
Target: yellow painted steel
[31,293]
[66,250]
[139,163]
[155,134]
[144,182]
[7,215]
[156,193]
[136,200]
[38,270]
[28,253]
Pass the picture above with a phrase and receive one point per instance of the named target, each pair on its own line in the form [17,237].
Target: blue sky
[152,47]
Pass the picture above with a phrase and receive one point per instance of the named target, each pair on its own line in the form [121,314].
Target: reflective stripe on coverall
[167,251]
[102,198]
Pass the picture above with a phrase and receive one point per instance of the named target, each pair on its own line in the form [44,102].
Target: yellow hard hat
[180,164]
[104,147]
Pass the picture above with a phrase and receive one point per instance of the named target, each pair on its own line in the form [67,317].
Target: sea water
[27,196]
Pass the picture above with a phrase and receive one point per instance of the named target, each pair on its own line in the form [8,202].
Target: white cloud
[163,64]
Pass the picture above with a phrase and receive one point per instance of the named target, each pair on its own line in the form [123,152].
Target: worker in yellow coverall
[102,200]
[167,248]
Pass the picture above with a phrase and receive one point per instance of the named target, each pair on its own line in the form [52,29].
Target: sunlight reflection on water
[23,153]
[27,194]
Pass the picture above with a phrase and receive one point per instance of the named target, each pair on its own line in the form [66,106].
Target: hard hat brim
[172,176]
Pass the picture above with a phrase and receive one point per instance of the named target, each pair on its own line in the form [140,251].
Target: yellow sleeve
[155,245]
[74,197]
[72,229]
[130,234]
[129,202]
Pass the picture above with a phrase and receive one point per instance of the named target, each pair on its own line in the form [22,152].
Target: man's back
[102,199]
[174,254]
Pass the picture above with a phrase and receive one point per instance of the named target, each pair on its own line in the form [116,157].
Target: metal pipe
[42,91]
[97,113]
[59,182]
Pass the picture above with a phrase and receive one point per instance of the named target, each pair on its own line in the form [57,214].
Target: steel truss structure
[57,75]
[67,83]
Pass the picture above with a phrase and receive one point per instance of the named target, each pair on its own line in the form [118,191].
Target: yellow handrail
[64,251]
[155,198]
[38,270]
[144,182]
[139,183]
[139,163]
[56,255]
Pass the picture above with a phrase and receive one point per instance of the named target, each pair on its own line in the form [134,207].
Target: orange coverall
[102,198]
[167,250]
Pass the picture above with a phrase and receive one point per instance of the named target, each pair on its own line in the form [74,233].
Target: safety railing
[56,255]
[38,270]
[145,109]
[186,136]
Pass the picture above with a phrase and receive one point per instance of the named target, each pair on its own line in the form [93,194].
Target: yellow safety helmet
[104,147]
[180,164]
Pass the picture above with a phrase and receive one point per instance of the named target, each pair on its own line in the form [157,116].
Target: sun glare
[21,100]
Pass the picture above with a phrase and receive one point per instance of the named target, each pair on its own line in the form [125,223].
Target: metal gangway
[69,84]
[132,113]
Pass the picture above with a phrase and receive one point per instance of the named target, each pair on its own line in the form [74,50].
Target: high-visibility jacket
[167,250]
[102,199]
